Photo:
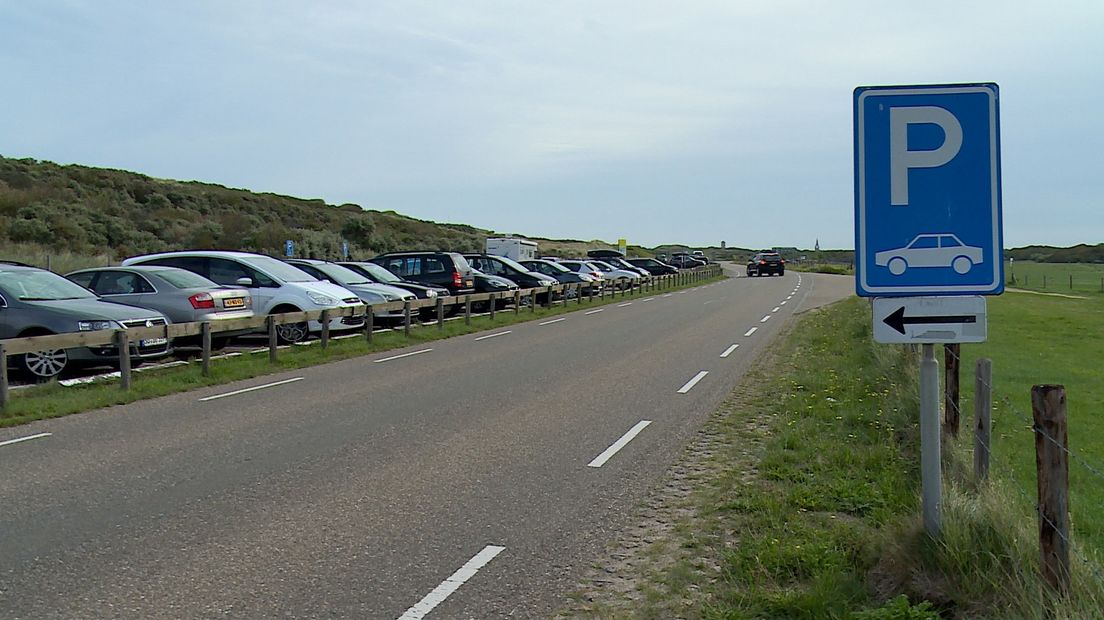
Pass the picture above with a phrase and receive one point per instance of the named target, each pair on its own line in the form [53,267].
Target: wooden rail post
[406,318]
[533,300]
[952,354]
[548,302]
[440,313]
[272,338]
[517,302]
[325,319]
[205,341]
[122,342]
[369,327]
[3,377]
[491,304]
[467,309]
[983,412]
[1048,408]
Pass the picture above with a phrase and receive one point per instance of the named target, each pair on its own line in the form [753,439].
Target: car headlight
[430,294]
[91,326]
[322,300]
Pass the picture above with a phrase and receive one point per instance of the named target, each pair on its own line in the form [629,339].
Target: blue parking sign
[927,191]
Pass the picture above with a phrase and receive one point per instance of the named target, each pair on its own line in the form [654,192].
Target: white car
[276,287]
[622,278]
[931,250]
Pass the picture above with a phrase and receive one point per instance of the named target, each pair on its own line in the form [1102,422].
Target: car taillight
[596,274]
[782,261]
[456,281]
[202,301]
[762,262]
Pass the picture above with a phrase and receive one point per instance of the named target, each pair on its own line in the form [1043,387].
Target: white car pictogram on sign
[931,250]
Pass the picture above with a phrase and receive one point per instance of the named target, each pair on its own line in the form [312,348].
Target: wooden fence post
[952,353]
[205,341]
[983,412]
[272,338]
[533,300]
[122,342]
[517,302]
[491,304]
[440,313]
[548,302]
[325,319]
[3,377]
[467,309]
[369,327]
[406,318]
[1048,408]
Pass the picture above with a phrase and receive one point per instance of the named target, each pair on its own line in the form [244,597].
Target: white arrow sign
[930,320]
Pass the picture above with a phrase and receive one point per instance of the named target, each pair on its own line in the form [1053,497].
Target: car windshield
[601,266]
[513,263]
[41,286]
[181,278]
[278,269]
[555,266]
[378,272]
[342,275]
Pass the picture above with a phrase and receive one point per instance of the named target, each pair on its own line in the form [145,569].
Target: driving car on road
[276,287]
[766,263]
[182,296]
[36,302]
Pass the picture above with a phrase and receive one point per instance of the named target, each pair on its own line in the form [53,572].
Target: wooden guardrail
[369,314]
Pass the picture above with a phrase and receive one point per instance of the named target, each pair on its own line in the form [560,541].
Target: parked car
[368,291]
[487,283]
[36,302]
[510,269]
[931,250]
[563,275]
[766,263]
[447,269]
[653,266]
[685,261]
[378,274]
[275,286]
[182,296]
[586,268]
[621,263]
[621,278]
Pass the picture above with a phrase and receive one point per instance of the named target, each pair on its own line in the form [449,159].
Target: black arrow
[898,320]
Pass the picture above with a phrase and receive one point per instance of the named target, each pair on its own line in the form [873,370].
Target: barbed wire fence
[1091,471]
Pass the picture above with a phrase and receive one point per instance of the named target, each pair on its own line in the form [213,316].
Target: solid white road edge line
[553,321]
[750,331]
[729,350]
[452,584]
[509,331]
[691,383]
[27,438]
[251,389]
[765,319]
[395,357]
[608,453]
[594,311]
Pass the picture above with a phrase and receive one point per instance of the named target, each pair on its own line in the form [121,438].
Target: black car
[685,261]
[487,283]
[510,269]
[653,266]
[446,269]
[380,275]
[562,274]
[766,263]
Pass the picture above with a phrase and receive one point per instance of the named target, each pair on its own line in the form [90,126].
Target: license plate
[233,302]
[152,342]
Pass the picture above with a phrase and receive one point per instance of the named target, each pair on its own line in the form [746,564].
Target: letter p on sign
[901,159]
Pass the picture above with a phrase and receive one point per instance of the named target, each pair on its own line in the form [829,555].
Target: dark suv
[447,269]
[766,263]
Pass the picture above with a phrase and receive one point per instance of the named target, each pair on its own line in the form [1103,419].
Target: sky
[657,122]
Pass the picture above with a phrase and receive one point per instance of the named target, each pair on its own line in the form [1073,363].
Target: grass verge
[53,400]
[801,501]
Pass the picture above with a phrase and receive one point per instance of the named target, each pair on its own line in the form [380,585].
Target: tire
[43,365]
[962,265]
[291,332]
[897,265]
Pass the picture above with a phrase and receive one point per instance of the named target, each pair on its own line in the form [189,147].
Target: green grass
[53,400]
[1086,279]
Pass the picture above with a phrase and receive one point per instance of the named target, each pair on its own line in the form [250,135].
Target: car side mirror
[246,282]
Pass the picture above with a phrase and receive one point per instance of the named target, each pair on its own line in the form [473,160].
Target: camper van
[517,249]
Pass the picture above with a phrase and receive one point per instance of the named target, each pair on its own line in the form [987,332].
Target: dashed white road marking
[751,331]
[629,303]
[22,439]
[783,303]
[553,321]
[395,357]
[668,294]
[495,335]
[452,584]
[614,448]
[594,311]
[692,382]
[777,308]
[647,299]
[251,389]
[765,319]
[729,350]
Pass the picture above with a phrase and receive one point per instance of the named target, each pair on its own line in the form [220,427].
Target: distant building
[816,247]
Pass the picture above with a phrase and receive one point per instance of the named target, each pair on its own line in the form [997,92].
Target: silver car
[179,294]
[368,291]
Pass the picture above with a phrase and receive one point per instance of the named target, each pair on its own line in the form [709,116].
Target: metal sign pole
[930,468]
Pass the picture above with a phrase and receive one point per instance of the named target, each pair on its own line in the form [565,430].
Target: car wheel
[962,265]
[291,333]
[897,265]
[44,365]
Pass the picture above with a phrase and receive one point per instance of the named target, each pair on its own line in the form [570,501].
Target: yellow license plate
[233,302]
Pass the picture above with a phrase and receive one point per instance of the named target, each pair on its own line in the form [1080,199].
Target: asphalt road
[456,482]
